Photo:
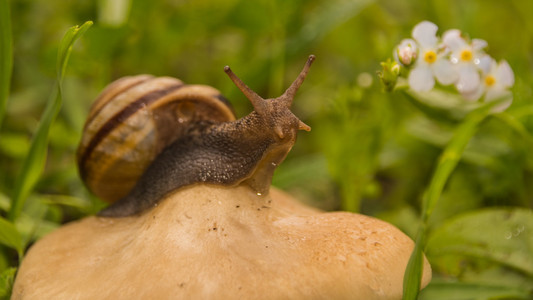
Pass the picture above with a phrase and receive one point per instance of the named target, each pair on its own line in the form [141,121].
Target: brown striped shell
[132,121]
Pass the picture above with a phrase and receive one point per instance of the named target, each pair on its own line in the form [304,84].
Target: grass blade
[35,160]
[413,272]
[7,277]
[65,47]
[9,236]
[6,56]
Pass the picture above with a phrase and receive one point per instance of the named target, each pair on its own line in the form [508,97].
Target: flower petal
[421,79]
[445,72]
[497,94]
[478,44]
[505,74]
[485,63]
[476,94]
[453,40]
[468,79]
[425,34]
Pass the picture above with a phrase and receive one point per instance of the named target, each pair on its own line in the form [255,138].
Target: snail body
[193,138]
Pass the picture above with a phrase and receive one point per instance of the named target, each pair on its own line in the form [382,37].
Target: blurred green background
[368,151]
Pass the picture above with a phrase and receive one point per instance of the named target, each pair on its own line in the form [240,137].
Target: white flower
[431,62]
[453,59]
[496,80]
[407,52]
[467,58]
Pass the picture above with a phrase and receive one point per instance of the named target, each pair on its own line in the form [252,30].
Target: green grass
[6,56]
[34,162]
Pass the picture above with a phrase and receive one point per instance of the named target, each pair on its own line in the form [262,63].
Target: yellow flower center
[489,80]
[430,56]
[466,55]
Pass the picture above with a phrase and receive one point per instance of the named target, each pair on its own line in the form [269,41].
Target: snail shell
[132,121]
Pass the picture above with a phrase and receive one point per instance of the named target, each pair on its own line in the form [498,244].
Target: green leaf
[32,228]
[6,282]
[31,224]
[34,163]
[66,200]
[442,290]
[5,202]
[6,56]
[500,235]
[9,236]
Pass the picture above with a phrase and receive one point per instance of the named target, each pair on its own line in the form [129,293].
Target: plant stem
[34,162]
[6,56]
[447,162]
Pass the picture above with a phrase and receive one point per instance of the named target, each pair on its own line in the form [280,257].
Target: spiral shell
[133,120]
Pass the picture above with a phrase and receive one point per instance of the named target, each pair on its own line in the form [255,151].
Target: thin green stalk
[277,69]
[447,162]
[10,237]
[351,197]
[35,160]
[6,56]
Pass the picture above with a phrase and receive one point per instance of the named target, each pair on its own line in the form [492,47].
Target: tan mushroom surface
[211,242]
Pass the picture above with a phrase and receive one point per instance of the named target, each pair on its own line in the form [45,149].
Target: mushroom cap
[212,242]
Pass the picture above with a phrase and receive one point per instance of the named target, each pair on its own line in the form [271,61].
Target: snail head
[275,112]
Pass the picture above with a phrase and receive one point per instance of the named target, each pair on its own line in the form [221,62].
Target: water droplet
[274,164]
[454,60]
[476,61]
[259,194]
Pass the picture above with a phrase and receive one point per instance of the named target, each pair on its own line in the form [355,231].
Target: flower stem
[447,162]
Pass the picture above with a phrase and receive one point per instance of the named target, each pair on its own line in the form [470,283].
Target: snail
[146,137]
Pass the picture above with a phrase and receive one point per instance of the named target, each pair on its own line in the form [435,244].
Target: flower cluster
[453,59]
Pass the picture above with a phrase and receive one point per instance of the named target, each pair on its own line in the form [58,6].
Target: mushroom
[214,242]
